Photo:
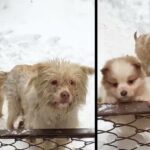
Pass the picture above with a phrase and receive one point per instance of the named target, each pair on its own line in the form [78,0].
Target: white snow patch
[37,30]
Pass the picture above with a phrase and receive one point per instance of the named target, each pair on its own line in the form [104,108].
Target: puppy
[3,76]
[142,50]
[48,94]
[124,81]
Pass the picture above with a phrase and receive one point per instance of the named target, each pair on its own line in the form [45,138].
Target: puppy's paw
[19,123]
[109,100]
[141,98]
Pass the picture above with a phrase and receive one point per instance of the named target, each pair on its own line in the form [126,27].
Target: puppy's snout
[124,93]
[65,95]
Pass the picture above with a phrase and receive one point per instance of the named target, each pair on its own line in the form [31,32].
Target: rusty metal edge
[48,133]
[123,109]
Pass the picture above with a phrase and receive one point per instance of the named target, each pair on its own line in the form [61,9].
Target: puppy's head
[122,77]
[61,84]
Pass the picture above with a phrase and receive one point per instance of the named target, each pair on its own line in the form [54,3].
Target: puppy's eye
[114,84]
[72,82]
[131,81]
[54,82]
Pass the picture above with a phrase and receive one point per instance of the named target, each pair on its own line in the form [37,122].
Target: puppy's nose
[123,93]
[64,95]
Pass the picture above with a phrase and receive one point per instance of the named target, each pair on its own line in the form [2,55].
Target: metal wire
[47,139]
[124,126]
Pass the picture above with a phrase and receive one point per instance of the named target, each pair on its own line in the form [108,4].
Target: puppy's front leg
[144,97]
[108,100]
[14,109]
[71,122]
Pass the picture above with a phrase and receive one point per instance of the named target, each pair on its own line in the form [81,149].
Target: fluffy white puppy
[124,81]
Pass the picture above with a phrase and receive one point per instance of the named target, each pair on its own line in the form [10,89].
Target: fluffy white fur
[125,73]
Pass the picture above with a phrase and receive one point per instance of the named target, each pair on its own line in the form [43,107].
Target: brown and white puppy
[124,81]
[48,94]
[3,77]
[142,50]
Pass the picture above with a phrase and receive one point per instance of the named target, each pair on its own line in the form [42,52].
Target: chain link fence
[47,139]
[124,126]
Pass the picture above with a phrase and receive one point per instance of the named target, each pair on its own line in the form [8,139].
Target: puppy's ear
[104,70]
[88,70]
[139,69]
[137,65]
[41,66]
[134,61]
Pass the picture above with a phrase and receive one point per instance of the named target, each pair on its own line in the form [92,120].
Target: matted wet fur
[3,76]
[48,94]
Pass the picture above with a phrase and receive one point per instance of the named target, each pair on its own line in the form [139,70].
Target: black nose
[123,93]
[64,95]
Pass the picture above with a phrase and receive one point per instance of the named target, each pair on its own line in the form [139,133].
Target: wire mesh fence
[124,126]
[47,139]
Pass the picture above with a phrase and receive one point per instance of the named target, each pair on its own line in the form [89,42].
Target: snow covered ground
[117,22]
[37,30]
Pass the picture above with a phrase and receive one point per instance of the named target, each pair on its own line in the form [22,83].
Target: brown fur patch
[142,49]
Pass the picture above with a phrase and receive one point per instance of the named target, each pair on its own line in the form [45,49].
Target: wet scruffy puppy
[48,94]
[142,50]
[3,77]
[124,81]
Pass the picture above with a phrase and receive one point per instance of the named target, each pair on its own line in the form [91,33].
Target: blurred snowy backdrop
[117,22]
[37,30]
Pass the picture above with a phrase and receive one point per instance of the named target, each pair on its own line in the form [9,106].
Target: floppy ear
[139,68]
[40,67]
[88,70]
[104,70]
[137,65]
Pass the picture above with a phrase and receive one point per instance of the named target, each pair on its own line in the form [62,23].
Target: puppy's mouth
[61,104]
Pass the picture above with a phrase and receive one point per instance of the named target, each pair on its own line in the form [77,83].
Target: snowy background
[117,22]
[37,30]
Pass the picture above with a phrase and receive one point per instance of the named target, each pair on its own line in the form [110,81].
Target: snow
[117,22]
[37,30]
